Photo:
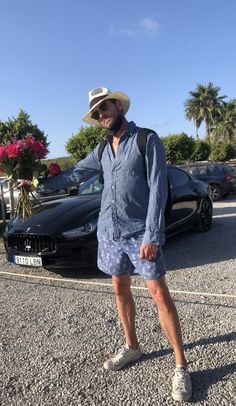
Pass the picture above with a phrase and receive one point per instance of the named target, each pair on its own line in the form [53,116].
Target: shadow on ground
[191,249]
[203,379]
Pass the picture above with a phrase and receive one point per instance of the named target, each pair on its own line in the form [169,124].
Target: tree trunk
[207,124]
[230,136]
[196,130]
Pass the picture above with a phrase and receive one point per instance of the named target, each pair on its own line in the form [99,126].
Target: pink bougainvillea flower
[21,146]
[38,148]
[20,159]
[11,150]
[3,153]
[54,169]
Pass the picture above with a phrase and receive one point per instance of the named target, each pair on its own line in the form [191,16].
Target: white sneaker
[182,386]
[124,356]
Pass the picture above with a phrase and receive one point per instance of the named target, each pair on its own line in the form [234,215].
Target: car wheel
[216,192]
[205,216]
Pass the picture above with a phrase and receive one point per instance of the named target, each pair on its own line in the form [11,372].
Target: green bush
[64,162]
[222,152]
[178,147]
[201,151]
[80,144]
[20,126]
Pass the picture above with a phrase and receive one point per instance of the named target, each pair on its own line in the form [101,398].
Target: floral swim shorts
[121,257]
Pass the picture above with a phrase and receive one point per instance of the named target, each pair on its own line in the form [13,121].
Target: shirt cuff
[151,238]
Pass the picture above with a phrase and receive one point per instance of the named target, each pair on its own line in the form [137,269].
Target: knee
[162,299]
[121,287]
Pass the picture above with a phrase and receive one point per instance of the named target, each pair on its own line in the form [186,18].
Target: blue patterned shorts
[121,257]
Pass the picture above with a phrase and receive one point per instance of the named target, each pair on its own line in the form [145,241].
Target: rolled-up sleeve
[157,182]
[83,170]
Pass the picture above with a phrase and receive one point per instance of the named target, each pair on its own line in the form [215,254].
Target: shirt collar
[130,130]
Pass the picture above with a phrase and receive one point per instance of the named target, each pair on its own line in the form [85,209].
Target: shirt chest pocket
[128,162]
[131,164]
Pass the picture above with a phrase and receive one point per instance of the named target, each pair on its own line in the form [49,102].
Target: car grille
[31,243]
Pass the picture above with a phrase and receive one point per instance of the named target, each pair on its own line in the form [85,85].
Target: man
[131,224]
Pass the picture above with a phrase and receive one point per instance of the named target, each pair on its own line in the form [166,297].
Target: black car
[215,174]
[62,233]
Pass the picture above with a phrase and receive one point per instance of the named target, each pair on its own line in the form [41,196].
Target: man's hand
[148,251]
[24,182]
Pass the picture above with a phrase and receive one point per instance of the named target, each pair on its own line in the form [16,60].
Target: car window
[203,170]
[90,187]
[197,170]
[178,177]
[193,170]
[228,169]
[213,168]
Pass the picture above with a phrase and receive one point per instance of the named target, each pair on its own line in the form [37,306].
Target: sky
[156,51]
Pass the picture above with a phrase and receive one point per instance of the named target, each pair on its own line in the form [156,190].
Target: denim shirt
[134,196]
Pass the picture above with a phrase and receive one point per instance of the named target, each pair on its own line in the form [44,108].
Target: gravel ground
[55,334]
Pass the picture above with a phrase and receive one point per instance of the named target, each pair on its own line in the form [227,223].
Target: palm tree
[204,105]
[191,112]
[225,128]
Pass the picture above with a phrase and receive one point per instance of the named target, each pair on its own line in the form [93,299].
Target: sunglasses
[102,107]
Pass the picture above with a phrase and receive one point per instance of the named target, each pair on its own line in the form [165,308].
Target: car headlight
[81,231]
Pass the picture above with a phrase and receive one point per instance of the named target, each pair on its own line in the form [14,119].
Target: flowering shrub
[21,160]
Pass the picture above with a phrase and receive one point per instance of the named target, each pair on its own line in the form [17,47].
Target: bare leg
[168,317]
[126,308]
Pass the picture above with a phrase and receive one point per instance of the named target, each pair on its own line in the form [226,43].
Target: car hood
[58,215]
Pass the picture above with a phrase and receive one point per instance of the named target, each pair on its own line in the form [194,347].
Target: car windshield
[90,187]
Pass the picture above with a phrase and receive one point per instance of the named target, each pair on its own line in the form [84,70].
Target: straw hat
[98,95]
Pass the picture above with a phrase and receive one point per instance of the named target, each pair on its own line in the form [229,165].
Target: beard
[117,123]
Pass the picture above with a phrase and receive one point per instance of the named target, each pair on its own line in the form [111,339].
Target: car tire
[216,192]
[205,216]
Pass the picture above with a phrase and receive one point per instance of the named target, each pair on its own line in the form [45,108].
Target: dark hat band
[96,100]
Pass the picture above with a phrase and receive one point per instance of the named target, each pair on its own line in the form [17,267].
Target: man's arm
[83,170]
[157,182]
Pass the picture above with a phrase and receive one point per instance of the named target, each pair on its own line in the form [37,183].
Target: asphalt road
[57,329]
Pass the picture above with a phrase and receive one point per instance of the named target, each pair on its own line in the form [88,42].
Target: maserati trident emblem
[27,245]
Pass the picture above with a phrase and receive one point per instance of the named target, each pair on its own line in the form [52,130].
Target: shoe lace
[180,379]
[121,354]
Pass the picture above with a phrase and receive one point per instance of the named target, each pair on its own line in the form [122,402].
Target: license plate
[27,261]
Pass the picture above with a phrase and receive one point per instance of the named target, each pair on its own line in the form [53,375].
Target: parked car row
[62,232]
[219,176]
